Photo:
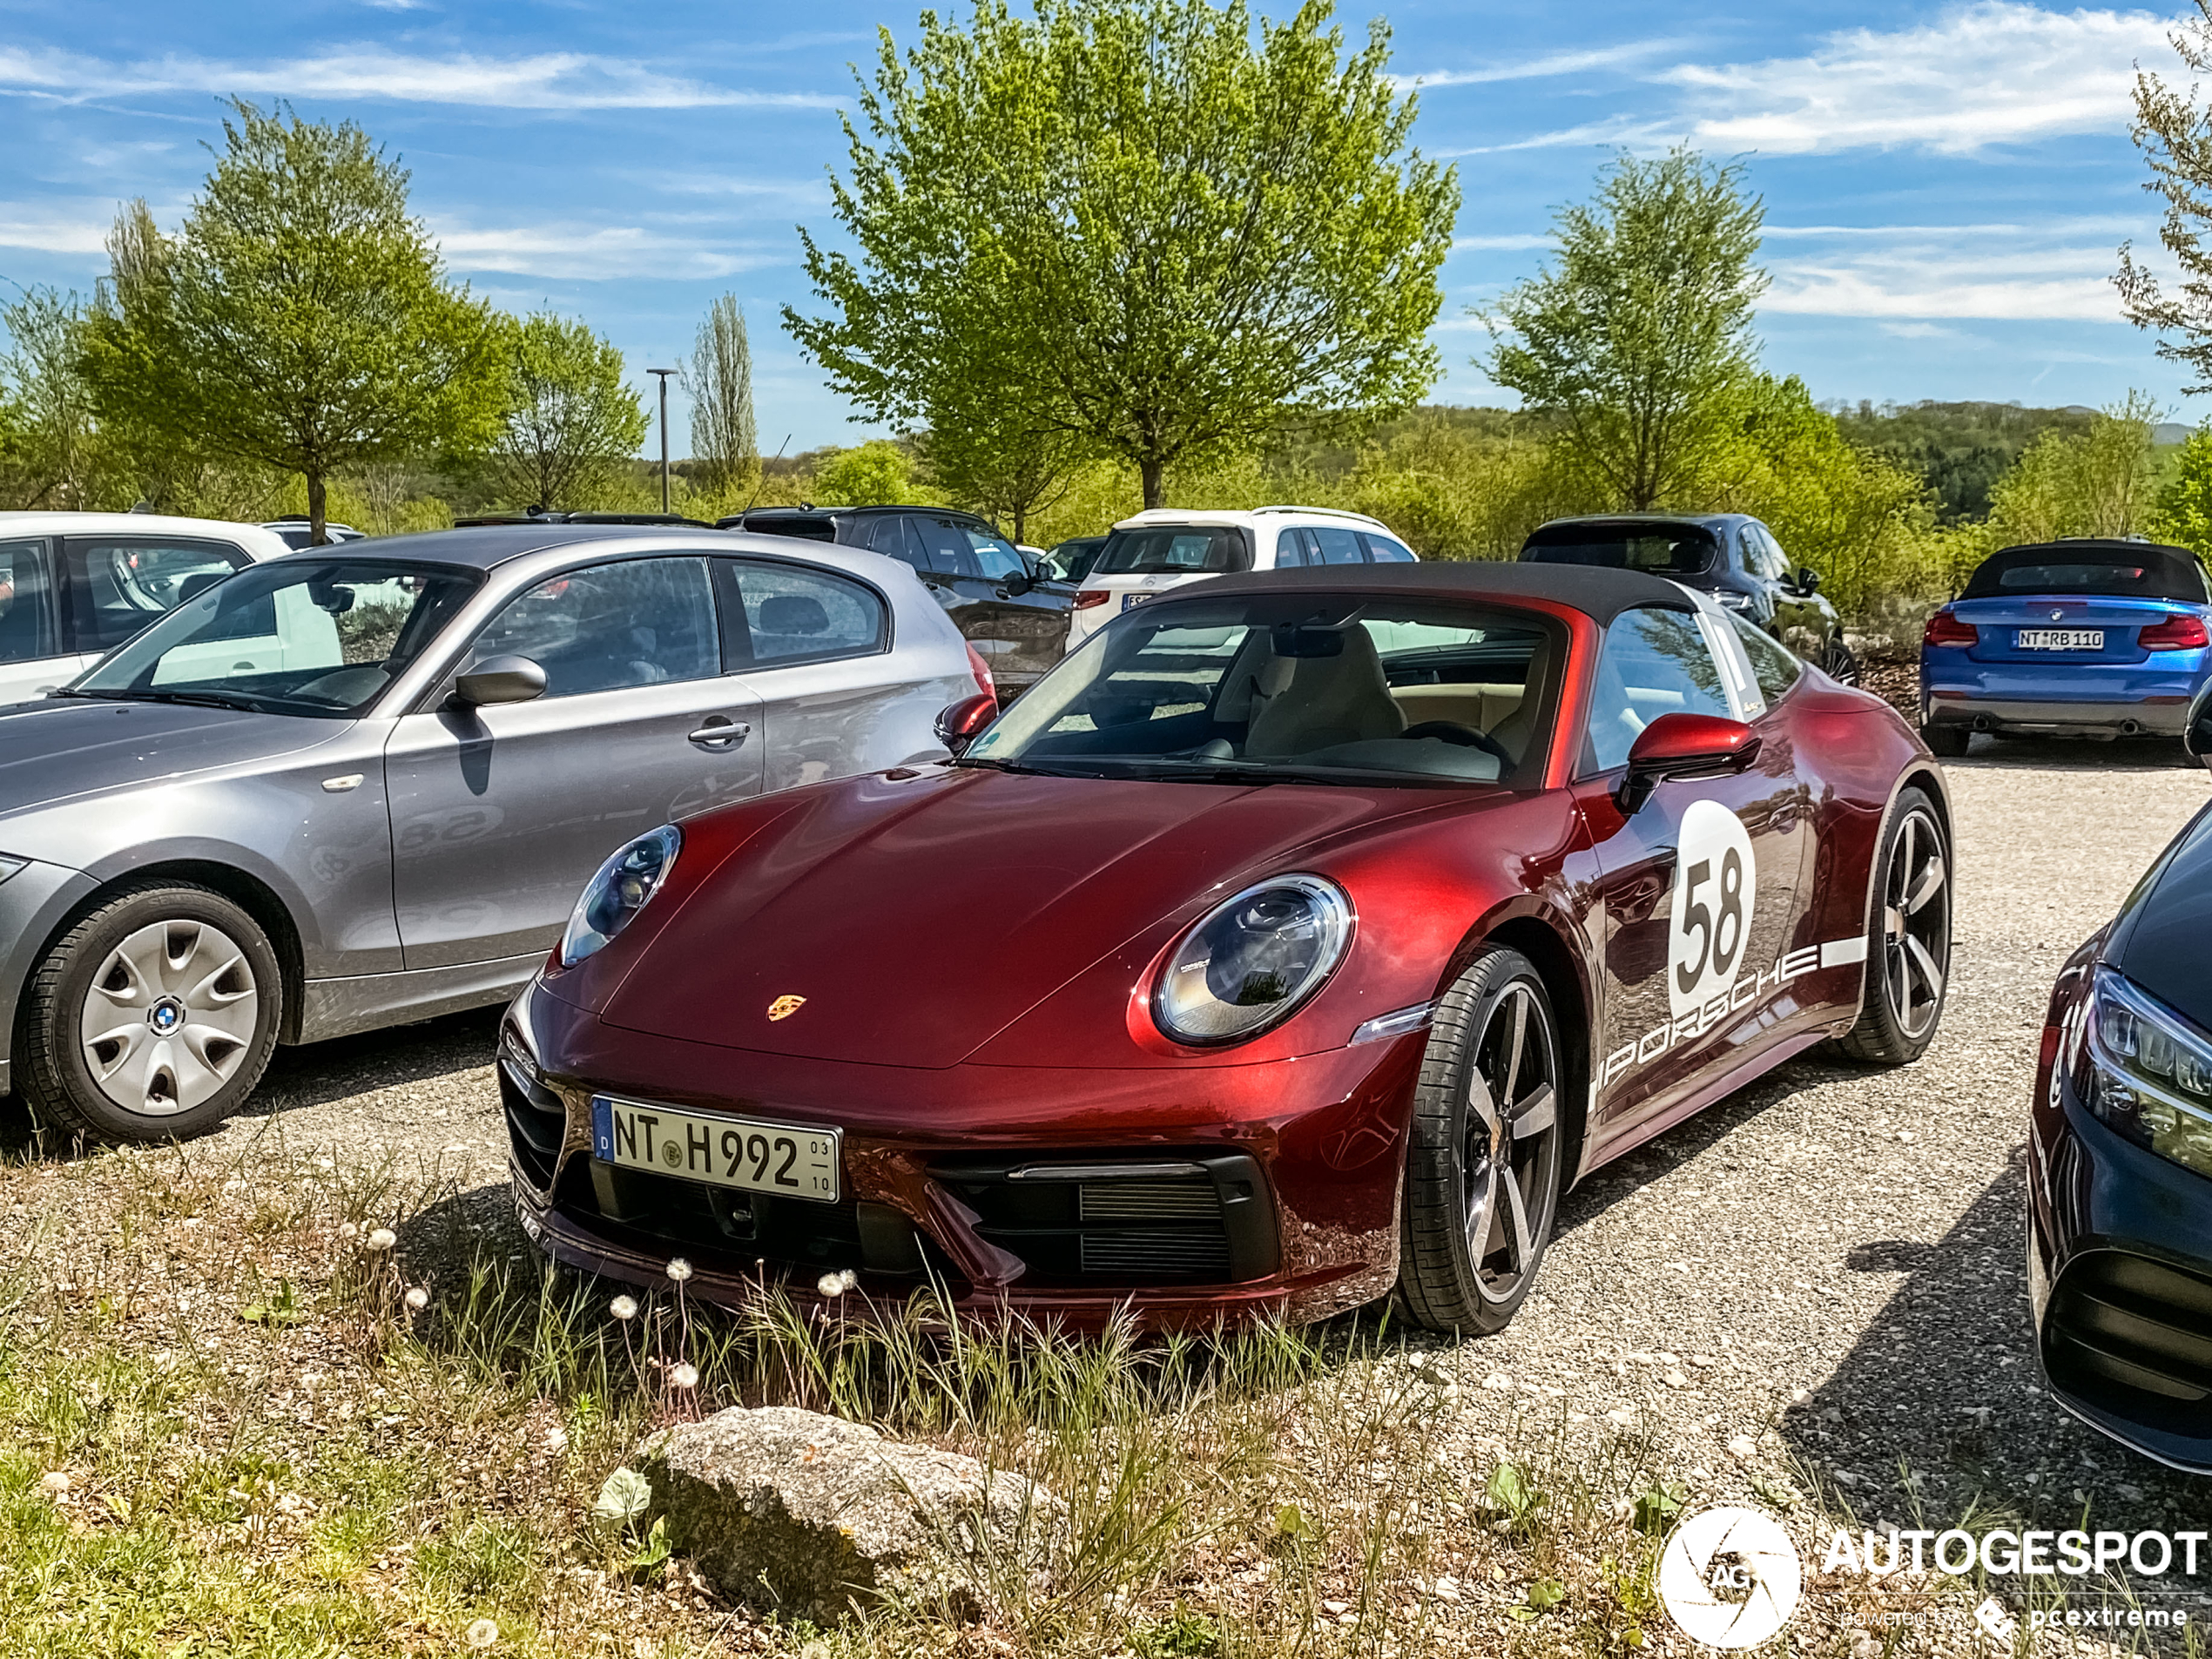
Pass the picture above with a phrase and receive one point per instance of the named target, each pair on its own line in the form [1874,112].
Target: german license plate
[2062,639]
[740,1152]
[1130,601]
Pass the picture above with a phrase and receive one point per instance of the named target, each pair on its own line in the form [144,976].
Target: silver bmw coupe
[361,785]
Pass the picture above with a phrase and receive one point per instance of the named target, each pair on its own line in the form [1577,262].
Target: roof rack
[1323,512]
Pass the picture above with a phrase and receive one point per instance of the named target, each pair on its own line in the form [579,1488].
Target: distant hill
[1962,448]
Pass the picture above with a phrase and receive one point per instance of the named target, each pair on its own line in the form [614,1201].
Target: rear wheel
[1839,665]
[1908,940]
[152,1018]
[1948,741]
[1483,1173]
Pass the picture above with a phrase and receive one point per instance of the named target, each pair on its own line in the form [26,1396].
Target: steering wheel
[1466,736]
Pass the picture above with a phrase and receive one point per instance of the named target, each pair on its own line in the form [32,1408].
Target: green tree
[2175,133]
[877,473]
[572,423]
[1636,339]
[55,457]
[302,319]
[726,437]
[2103,482]
[1007,471]
[2184,514]
[1153,224]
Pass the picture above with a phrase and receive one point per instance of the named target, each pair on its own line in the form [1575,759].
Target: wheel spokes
[1929,884]
[170,1018]
[1536,1115]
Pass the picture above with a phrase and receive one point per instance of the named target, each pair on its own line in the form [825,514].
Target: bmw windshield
[317,637]
[1333,688]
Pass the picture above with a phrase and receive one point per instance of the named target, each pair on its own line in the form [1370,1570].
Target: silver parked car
[360,785]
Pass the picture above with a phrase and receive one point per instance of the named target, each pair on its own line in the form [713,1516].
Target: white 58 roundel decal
[1714,884]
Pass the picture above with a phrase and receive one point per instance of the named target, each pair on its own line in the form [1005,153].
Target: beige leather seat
[1301,704]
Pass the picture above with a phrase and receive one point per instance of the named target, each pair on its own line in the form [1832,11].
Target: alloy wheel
[1508,1162]
[1916,924]
[170,1017]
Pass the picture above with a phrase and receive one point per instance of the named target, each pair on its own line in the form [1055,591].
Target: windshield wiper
[196,699]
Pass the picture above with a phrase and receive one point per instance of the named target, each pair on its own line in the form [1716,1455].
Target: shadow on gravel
[317,1074]
[2077,754]
[1943,1392]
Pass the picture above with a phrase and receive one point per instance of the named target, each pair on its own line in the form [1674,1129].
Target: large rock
[809,1515]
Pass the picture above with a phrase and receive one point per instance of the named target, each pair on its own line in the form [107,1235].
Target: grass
[224,1429]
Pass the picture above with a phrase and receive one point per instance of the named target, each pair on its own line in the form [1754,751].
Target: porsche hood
[908,923]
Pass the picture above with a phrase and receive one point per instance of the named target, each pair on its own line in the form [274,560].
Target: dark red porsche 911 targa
[1300,937]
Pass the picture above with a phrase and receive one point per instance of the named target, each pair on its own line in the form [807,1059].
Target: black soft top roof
[2140,570]
[1598,593]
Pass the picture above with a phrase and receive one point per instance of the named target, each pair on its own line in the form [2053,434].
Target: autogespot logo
[1731,1577]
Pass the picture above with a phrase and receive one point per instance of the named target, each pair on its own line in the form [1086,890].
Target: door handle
[717,732]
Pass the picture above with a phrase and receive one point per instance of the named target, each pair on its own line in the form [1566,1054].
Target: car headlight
[2149,1073]
[1736,601]
[624,885]
[1249,963]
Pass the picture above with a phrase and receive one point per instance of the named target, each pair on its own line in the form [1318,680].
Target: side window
[26,604]
[609,627]
[1653,663]
[1382,551]
[944,546]
[118,584]
[1289,550]
[1775,669]
[1337,547]
[893,537]
[795,614]
[994,556]
[1777,563]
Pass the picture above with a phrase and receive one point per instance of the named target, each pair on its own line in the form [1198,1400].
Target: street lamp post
[664,374]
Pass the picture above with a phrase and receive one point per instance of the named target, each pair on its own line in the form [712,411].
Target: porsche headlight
[2150,1074]
[624,885]
[1250,963]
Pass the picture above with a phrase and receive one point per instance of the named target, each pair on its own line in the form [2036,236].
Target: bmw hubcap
[1512,1140]
[170,1017]
[1915,925]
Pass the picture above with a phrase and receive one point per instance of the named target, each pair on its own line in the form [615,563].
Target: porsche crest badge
[783,1007]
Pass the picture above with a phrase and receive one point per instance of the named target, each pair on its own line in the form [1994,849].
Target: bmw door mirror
[500,679]
[963,722]
[2196,736]
[1684,746]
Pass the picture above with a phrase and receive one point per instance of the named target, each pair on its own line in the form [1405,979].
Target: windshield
[1332,688]
[315,637]
[1174,550]
[1668,549]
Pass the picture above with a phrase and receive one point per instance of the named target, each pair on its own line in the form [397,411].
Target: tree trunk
[1155,488]
[317,503]
[1021,521]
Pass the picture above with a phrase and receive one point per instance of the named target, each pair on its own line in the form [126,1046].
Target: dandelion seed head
[54,1484]
[383,1238]
[484,1633]
[686,1375]
[347,1231]
[623,1307]
[831,1284]
[850,1279]
[417,1298]
[679,1269]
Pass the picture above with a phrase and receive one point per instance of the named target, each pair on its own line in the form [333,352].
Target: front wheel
[1482,1174]
[1908,938]
[1840,666]
[152,1018]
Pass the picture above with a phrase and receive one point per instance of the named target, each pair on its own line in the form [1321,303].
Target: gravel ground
[1827,1265]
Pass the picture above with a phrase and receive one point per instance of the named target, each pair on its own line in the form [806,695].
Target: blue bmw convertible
[2087,639]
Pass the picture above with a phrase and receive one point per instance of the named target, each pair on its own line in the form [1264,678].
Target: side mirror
[500,679]
[2196,736]
[1808,580]
[963,722]
[1018,585]
[1684,746]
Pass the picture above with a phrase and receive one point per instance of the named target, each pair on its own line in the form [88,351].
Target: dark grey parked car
[1014,612]
[1732,555]
[360,785]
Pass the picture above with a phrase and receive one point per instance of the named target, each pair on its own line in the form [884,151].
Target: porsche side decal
[1716,882]
[1696,1022]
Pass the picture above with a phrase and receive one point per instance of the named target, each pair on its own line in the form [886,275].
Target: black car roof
[1624,521]
[1600,594]
[485,546]
[817,511]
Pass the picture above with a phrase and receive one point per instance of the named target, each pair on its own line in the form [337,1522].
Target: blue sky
[1945,185]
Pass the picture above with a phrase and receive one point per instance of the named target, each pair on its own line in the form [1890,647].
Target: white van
[1165,547]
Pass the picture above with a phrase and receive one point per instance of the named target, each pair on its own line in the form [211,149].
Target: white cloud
[45,230]
[1538,67]
[1507,243]
[542,81]
[610,252]
[1915,274]
[1995,72]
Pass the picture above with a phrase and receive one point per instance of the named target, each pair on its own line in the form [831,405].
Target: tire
[152,1018]
[1839,665]
[1482,1181]
[1908,938]
[1948,742]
